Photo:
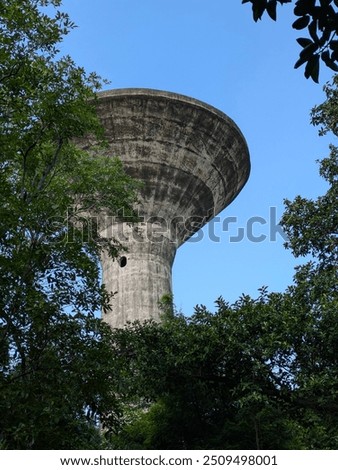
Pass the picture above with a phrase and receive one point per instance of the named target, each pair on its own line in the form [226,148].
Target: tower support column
[140,276]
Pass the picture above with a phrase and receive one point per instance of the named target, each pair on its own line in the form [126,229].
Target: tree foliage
[321,20]
[55,365]
[209,379]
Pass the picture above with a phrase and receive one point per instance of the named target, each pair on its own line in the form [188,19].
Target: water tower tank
[193,161]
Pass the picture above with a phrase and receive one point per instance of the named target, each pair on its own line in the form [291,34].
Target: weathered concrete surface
[193,161]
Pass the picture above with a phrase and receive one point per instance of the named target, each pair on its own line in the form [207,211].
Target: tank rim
[170,96]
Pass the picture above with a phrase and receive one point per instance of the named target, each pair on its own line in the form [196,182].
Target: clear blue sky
[213,51]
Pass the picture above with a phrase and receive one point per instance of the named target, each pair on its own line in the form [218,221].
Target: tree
[312,227]
[208,380]
[55,365]
[321,20]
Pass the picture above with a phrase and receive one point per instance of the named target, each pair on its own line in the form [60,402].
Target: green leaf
[313,31]
[304,42]
[325,56]
[302,22]
[302,60]
[312,68]
[332,65]
[303,7]
[308,51]
[258,8]
[325,36]
[334,45]
[271,8]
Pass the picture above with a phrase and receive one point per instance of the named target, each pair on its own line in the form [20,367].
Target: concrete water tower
[193,161]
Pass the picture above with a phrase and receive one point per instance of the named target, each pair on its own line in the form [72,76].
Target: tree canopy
[320,17]
[55,366]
